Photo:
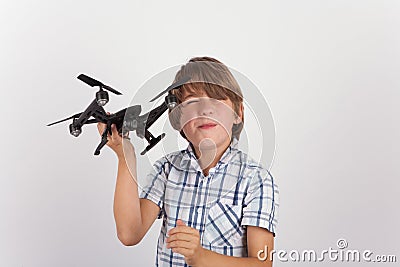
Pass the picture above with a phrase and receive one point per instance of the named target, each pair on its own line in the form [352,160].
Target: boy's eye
[192,101]
[189,102]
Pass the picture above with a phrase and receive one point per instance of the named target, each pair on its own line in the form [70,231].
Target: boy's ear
[239,116]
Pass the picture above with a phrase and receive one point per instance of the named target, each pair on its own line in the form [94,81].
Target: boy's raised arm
[133,216]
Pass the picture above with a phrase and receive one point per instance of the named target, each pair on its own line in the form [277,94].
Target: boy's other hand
[185,240]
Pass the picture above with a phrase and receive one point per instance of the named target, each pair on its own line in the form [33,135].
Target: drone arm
[100,114]
[154,114]
[84,116]
[91,121]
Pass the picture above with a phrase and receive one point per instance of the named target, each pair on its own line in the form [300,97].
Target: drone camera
[75,131]
[102,98]
[171,101]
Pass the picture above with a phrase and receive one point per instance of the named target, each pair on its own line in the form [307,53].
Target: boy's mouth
[207,126]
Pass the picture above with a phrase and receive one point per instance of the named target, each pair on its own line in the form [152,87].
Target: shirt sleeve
[261,202]
[154,186]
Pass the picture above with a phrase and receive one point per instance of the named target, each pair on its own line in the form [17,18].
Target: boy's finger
[180,244]
[114,129]
[100,127]
[180,236]
[114,132]
[182,229]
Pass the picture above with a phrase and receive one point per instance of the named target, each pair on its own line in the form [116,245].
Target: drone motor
[102,97]
[75,131]
[171,101]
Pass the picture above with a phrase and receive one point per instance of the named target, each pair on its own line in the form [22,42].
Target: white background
[329,71]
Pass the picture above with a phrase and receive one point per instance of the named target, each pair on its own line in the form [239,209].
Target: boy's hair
[212,77]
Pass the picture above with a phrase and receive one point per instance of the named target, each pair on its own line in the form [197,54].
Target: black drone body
[127,119]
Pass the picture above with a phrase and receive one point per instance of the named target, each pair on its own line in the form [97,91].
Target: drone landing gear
[152,141]
[104,139]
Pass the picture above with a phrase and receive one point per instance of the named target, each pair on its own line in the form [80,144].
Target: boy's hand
[115,140]
[185,240]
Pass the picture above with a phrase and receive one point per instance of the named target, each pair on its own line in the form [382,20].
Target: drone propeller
[92,82]
[172,86]
[72,117]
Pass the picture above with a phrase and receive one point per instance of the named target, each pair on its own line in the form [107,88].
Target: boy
[218,206]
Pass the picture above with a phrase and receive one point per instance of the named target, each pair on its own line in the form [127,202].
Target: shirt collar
[189,155]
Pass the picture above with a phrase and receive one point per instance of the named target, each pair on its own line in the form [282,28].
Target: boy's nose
[206,109]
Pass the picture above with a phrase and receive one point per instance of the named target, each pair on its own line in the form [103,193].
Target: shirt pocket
[223,226]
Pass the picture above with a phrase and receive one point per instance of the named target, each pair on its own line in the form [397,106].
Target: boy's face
[207,121]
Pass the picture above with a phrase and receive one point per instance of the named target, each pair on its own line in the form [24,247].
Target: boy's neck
[208,157]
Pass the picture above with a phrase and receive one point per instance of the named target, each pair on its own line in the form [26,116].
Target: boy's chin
[209,143]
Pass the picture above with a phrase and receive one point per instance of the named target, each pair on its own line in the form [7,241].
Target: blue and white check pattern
[237,192]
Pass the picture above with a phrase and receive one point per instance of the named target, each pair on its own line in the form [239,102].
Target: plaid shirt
[237,192]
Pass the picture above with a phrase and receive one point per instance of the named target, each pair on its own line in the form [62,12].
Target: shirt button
[199,209]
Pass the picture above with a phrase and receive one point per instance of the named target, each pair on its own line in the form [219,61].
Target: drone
[127,119]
